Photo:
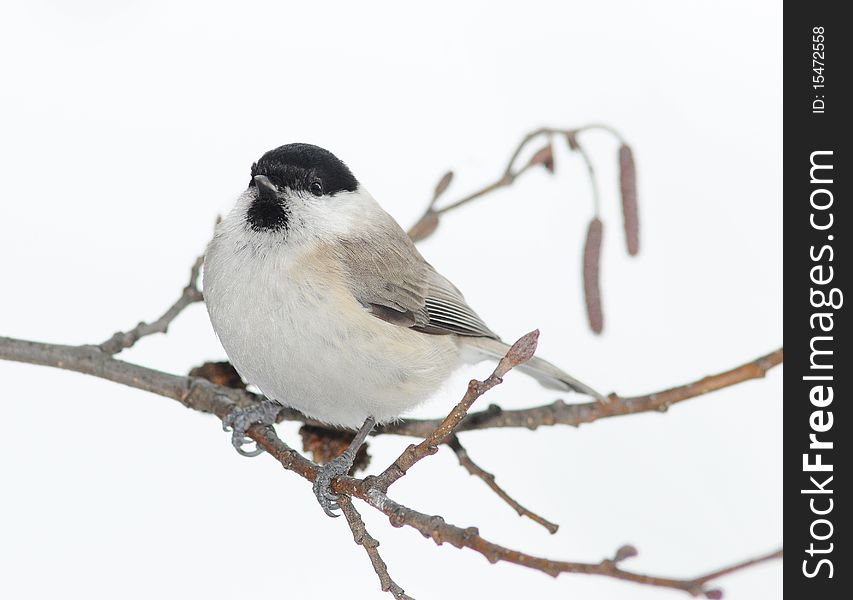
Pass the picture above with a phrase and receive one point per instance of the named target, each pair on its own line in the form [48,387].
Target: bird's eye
[316,188]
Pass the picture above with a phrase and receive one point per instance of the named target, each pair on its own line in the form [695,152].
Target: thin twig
[560,413]
[738,566]
[489,479]
[370,545]
[435,528]
[575,145]
[190,294]
[520,352]
[509,175]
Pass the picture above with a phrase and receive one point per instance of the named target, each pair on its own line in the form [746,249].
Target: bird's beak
[266,188]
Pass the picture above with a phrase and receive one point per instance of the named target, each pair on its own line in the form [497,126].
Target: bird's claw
[239,420]
[323,483]
[239,447]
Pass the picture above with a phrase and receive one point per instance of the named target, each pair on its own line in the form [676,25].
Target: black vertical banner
[817,172]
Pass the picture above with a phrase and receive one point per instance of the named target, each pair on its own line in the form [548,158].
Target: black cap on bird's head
[299,168]
[305,168]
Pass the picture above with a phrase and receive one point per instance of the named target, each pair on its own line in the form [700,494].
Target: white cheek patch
[329,218]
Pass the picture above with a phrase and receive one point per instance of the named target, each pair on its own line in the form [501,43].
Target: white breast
[291,327]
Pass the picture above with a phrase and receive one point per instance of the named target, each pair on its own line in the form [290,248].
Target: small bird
[322,301]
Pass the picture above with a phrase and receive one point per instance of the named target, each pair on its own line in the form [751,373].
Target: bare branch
[520,352]
[511,174]
[489,479]
[191,294]
[505,180]
[435,528]
[91,361]
[738,566]
[560,413]
[574,144]
[370,545]
[429,221]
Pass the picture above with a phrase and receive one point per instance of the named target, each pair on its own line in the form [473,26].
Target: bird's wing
[390,278]
[449,312]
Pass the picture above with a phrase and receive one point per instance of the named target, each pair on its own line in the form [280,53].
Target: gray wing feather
[448,310]
[390,278]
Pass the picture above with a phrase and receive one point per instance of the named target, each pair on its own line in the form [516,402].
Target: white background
[128,126]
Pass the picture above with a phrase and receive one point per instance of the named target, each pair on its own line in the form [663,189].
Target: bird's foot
[323,484]
[337,467]
[239,420]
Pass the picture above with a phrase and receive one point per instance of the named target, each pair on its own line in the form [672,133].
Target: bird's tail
[545,373]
